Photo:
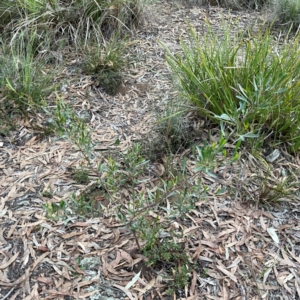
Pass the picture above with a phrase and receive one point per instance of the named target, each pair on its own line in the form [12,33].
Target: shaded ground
[229,237]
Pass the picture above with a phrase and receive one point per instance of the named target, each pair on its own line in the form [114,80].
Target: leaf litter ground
[242,250]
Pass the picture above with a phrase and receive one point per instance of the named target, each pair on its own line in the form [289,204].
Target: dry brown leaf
[46,280]
[12,229]
[209,244]
[226,292]
[116,261]
[89,282]
[198,251]
[71,234]
[10,261]
[190,230]
[227,273]
[149,285]
[42,248]
[36,263]
[225,232]
[126,256]
[127,292]
[86,295]
[193,283]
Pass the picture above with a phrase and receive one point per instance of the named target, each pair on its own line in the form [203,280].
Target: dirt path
[230,239]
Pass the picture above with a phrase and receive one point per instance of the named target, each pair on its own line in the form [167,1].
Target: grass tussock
[24,79]
[106,61]
[69,20]
[249,86]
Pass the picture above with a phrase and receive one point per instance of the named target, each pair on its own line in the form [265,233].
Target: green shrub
[252,86]
[288,12]
[175,259]
[81,175]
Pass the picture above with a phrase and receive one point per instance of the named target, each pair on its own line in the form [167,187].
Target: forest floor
[241,248]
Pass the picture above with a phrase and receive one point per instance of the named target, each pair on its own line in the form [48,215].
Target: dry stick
[136,239]
[6,296]
[243,292]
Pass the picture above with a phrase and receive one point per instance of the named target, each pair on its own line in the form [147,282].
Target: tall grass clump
[69,20]
[251,86]
[106,61]
[24,79]
[288,12]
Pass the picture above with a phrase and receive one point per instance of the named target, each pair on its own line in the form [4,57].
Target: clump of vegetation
[130,173]
[240,4]
[83,206]
[72,21]
[24,80]
[81,175]
[69,125]
[105,61]
[175,258]
[55,211]
[32,30]
[287,12]
[249,86]
[173,133]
